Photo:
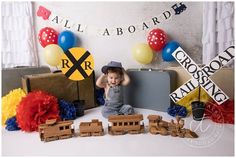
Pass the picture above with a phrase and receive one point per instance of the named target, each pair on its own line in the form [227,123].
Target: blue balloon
[167,51]
[67,40]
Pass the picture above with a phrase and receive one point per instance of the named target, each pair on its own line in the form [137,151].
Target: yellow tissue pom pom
[10,103]
[193,96]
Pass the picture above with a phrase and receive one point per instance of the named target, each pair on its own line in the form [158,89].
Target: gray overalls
[114,103]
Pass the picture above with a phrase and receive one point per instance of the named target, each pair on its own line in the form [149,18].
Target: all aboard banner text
[151,22]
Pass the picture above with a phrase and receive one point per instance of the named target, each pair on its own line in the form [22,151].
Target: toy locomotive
[158,126]
[120,124]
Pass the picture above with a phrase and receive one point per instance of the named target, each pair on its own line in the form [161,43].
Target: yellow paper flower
[193,96]
[10,103]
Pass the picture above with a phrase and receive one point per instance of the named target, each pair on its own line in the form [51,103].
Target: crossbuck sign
[200,76]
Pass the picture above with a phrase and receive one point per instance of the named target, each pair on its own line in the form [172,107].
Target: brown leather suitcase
[60,86]
[11,77]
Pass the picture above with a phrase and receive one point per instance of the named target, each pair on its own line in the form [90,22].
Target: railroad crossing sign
[201,76]
[77,63]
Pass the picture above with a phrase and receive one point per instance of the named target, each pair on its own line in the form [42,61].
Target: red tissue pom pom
[223,113]
[35,109]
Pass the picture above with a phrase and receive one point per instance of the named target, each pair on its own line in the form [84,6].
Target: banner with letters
[121,30]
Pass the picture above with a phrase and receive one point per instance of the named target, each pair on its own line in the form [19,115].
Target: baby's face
[113,79]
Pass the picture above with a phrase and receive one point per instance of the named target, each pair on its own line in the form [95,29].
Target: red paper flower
[35,109]
[223,113]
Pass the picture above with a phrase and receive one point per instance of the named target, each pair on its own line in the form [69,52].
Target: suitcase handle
[151,69]
[57,71]
[21,67]
[145,69]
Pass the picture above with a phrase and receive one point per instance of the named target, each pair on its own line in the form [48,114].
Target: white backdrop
[185,28]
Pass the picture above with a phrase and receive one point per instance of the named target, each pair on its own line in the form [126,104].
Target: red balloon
[47,36]
[157,39]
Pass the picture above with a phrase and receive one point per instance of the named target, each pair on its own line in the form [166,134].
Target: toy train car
[53,130]
[158,126]
[120,124]
[93,128]
[125,123]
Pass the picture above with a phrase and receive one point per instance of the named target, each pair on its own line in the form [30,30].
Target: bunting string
[75,26]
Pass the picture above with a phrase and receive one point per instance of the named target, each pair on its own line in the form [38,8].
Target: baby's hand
[105,77]
[102,81]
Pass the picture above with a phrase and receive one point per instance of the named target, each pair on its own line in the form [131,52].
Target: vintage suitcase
[11,77]
[150,89]
[60,86]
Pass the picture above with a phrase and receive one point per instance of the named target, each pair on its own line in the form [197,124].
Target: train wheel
[51,139]
[42,136]
[191,134]
[96,133]
[181,135]
[85,134]
[153,130]
[102,133]
[118,132]
[173,134]
[99,134]
[134,132]
[65,136]
[109,130]
[163,132]
[142,129]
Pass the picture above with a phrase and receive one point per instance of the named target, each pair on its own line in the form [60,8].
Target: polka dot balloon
[157,39]
[47,36]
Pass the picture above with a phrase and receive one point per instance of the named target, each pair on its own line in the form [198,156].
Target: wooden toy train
[120,124]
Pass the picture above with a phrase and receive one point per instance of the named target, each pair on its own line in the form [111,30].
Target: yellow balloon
[142,53]
[52,54]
